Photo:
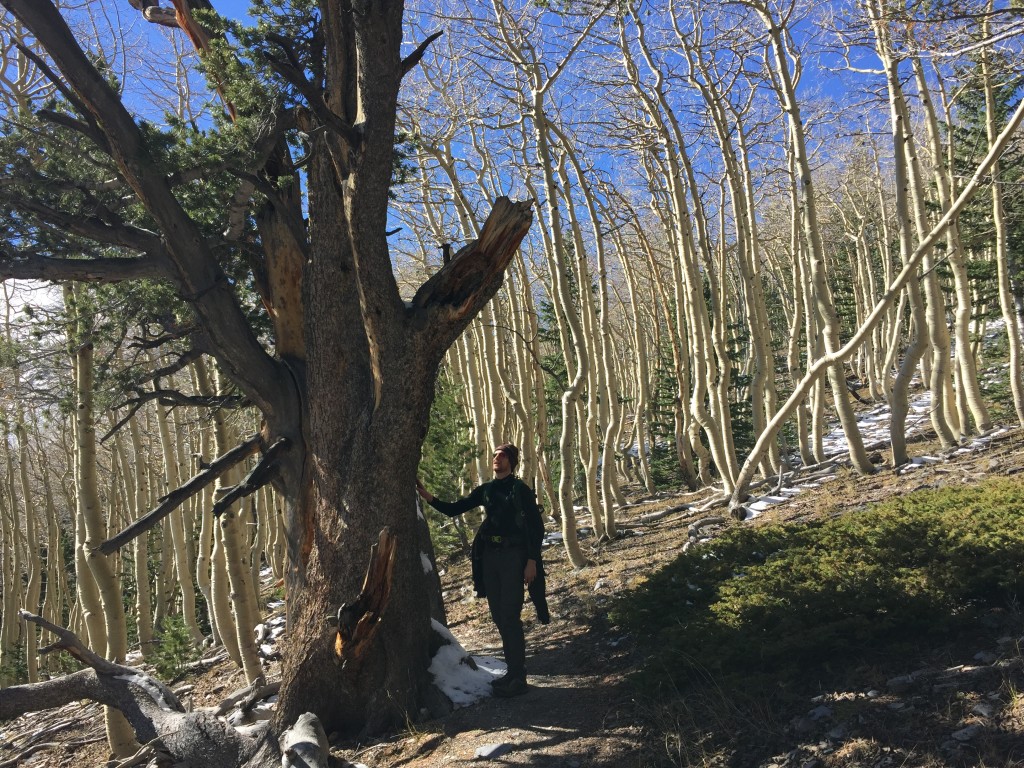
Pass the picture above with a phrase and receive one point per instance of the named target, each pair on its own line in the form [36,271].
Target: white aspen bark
[728,124]
[786,90]
[588,413]
[899,399]
[530,377]
[204,544]
[642,371]
[88,597]
[607,394]
[235,546]
[970,399]
[1006,303]
[800,315]
[176,529]
[763,397]
[815,371]
[939,372]
[708,368]
[220,596]
[257,544]
[12,568]
[276,548]
[715,264]
[134,478]
[570,325]
[33,561]
[54,600]
[186,468]
[105,600]
[492,388]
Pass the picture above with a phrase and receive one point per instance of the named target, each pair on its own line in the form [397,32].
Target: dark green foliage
[556,380]
[173,650]
[447,451]
[15,669]
[774,607]
[971,144]
[741,413]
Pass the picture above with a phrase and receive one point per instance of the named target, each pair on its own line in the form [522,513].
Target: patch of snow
[425,561]
[456,679]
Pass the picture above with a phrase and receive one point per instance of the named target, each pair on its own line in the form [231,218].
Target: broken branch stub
[358,621]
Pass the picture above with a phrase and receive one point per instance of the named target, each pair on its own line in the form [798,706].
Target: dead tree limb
[358,621]
[179,496]
[152,709]
[260,475]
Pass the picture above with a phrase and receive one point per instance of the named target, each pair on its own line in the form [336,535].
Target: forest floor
[583,710]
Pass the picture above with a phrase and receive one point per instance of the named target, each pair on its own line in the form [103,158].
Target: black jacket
[511,512]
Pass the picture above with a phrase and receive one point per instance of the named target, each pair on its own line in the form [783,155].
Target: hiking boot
[508,687]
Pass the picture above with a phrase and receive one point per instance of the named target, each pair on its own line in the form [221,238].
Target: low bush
[775,607]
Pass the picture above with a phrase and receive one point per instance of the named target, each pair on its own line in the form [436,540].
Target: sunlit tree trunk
[103,600]
[243,602]
[969,398]
[1000,246]
[137,490]
[176,528]
[785,84]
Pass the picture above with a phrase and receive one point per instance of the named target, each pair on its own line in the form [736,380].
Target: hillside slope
[958,708]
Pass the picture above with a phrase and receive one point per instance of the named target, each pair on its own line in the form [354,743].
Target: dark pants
[503,582]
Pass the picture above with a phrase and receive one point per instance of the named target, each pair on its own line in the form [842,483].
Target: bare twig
[261,474]
[179,496]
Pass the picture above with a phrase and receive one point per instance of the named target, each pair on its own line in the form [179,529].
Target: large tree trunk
[346,393]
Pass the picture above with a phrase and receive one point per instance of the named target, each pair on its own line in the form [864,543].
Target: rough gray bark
[349,382]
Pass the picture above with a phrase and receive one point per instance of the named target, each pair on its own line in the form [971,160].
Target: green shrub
[173,650]
[778,605]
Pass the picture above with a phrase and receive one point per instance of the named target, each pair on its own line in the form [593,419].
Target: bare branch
[313,94]
[261,474]
[152,709]
[83,127]
[21,265]
[179,496]
[94,228]
[174,366]
[413,58]
[66,92]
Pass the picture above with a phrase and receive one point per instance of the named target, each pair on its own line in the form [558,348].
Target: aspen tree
[728,122]
[33,561]
[540,80]
[1002,256]
[231,524]
[588,412]
[221,598]
[802,323]
[707,360]
[101,597]
[204,542]
[641,373]
[894,289]
[56,595]
[970,400]
[903,160]
[183,567]
[13,567]
[784,82]
[610,413]
[944,418]
[138,498]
